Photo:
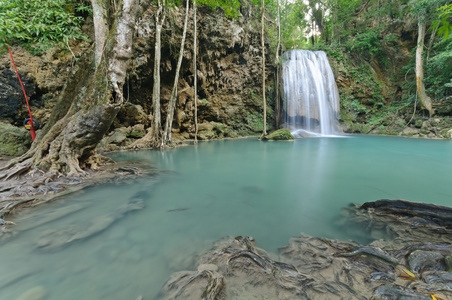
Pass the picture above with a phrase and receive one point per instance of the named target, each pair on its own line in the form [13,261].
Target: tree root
[214,286]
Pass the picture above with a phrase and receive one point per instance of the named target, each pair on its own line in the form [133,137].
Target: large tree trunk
[425,100]
[166,140]
[264,100]
[100,20]
[88,104]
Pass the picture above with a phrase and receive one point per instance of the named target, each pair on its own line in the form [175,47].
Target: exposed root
[214,286]
[285,273]
[149,141]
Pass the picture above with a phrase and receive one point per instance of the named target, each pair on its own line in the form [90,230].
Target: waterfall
[311,99]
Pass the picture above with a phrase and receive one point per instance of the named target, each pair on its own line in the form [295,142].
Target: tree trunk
[277,63]
[279,34]
[166,140]
[153,138]
[195,70]
[264,100]
[425,100]
[89,102]
[100,19]
[159,20]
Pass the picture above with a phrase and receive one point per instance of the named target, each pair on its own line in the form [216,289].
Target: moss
[137,134]
[14,141]
[279,135]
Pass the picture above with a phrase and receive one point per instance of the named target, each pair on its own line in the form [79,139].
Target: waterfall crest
[311,99]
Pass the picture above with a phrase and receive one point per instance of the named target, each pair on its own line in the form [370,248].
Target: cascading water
[311,99]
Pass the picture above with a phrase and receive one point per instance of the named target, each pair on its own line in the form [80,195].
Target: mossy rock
[14,141]
[279,135]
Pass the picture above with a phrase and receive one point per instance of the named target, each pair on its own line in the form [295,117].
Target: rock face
[43,77]
[11,96]
[229,74]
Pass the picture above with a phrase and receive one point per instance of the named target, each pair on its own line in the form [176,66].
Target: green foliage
[231,7]
[387,116]
[367,41]
[443,24]
[438,70]
[293,24]
[38,24]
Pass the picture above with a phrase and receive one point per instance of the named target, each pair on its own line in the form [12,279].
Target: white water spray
[311,99]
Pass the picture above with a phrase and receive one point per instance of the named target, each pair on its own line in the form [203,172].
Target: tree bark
[277,63]
[153,138]
[195,50]
[159,20]
[100,20]
[264,100]
[167,139]
[89,102]
[425,100]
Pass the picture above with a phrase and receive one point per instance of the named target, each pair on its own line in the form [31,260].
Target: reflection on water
[268,190]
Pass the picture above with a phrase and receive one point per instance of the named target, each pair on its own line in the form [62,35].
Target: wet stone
[391,292]
[207,267]
[421,261]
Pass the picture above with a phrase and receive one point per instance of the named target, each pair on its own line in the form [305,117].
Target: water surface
[268,190]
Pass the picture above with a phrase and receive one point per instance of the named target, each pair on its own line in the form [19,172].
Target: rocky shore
[22,191]
[409,258]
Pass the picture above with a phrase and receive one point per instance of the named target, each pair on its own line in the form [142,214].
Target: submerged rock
[36,293]
[56,238]
[320,268]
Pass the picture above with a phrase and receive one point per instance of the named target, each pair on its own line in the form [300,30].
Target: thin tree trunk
[430,42]
[264,131]
[425,100]
[100,20]
[159,20]
[167,139]
[195,71]
[332,24]
[279,34]
[277,58]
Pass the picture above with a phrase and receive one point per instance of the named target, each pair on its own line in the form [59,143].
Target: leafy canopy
[38,24]
[230,7]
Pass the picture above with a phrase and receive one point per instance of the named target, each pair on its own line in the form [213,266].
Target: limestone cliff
[229,77]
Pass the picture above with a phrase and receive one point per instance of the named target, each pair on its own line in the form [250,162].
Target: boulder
[137,131]
[14,141]
[449,134]
[131,115]
[116,138]
[279,135]
[409,131]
